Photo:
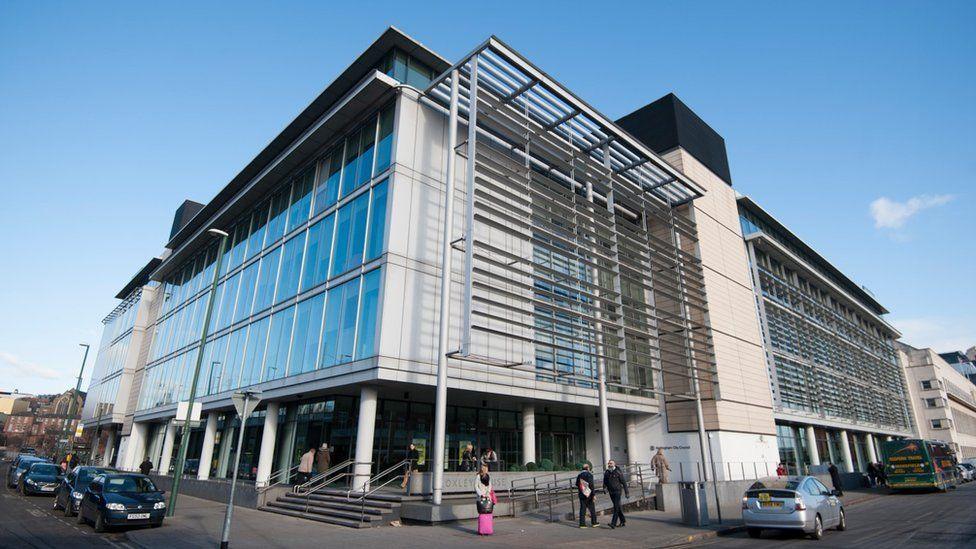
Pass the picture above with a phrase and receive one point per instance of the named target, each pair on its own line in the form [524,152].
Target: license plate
[47,488]
[763,496]
[138,516]
[771,504]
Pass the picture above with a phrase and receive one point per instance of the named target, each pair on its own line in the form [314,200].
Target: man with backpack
[584,487]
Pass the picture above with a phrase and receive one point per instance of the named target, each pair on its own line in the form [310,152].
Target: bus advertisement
[914,463]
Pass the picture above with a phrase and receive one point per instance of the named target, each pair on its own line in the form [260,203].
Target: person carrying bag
[486,502]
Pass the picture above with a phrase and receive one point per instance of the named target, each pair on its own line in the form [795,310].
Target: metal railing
[283,476]
[370,486]
[337,472]
[548,490]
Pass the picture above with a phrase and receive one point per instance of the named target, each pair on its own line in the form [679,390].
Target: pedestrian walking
[72,461]
[145,466]
[412,457]
[659,464]
[615,484]
[781,470]
[872,475]
[490,459]
[323,458]
[305,465]
[486,502]
[586,492]
[469,459]
[835,479]
[882,474]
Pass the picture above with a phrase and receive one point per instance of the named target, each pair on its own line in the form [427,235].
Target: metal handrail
[369,488]
[278,474]
[316,480]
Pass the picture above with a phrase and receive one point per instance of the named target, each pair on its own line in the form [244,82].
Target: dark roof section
[140,279]
[183,215]
[840,278]
[955,357]
[391,38]
[668,123]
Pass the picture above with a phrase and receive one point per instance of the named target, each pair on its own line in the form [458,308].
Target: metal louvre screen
[580,256]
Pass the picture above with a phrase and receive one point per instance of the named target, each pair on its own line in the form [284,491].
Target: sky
[850,121]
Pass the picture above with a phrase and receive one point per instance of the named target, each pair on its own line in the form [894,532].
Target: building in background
[942,398]
[46,423]
[837,387]
[964,363]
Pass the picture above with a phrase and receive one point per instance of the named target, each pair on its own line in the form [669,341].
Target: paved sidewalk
[198,524]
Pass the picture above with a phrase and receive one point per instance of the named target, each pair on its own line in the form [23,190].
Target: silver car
[792,503]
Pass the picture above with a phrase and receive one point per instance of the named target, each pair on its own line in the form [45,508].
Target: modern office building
[837,386]
[597,289]
[943,399]
[964,363]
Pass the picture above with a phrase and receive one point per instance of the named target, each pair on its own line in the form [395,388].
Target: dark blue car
[17,468]
[40,478]
[73,487]
[122,499]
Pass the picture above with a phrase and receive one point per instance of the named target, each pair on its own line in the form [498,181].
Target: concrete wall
[729,495]
[245,495]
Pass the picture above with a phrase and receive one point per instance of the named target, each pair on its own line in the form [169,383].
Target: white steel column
[872,454]
[167,456]
[366,427]
[469,212]
[268,437]
[528,433]
[135,450]
[206,453]
[226,442]
[109,448]
[633,446]
[440,403]
[812,445]
[845,450]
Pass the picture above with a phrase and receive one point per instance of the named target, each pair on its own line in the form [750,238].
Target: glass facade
[112,352]
[299,285]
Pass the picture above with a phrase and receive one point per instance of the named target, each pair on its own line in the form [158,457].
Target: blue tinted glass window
[319,253]
[276,362]
[230,376]
[308,328]
[245,296]
[228,300]
[350,235]
[347,321]
[351,163]
[366,153]
[291,267]
[384,147]
[377,222]
[301,199]
[213,362]
[369,303]
[259,226]
[257,339]
[266,280]
[238,243]
[279,212]
[327,191]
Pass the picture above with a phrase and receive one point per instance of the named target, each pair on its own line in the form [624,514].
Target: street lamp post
[71,405]
[185,437]
[245,402]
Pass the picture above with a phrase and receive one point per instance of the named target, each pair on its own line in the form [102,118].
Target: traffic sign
[252,399]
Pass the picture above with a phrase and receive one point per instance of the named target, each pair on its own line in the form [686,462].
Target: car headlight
[77,495]
[159,505]
[115,507]
[30,481]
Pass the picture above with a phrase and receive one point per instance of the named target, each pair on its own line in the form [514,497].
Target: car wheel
[842,523]
[68,511]
[55,506]
[754,532]
[156,524]
[23,490]
[99,523]
[817,528]
[81,517]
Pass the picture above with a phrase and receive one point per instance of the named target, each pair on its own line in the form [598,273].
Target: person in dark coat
[615,483]
[872,475]
[587,494]
[145,466]
[835,478]
[469,459]
[412,457]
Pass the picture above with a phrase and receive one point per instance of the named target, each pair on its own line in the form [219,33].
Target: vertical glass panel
[235,355]
[347,321]
[400,66]
[208,271]
[366,334]
[350,163]
[245,296]
[301,198]
[384,147]
[291,267]
[418,74]
[350,235]
[330,328]
[259,226]
[239,245]
[377,222]
[279,211]
[276,362]
[327,191]
[318,253]
[213,362]
[257,339]
[308,328]
[215,313]
[266,280]
[366,155]
[228,300]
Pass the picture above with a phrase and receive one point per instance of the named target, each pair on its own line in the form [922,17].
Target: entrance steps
[335,506]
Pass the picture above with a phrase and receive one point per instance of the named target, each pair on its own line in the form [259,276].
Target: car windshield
[776,484]
[129,484]
[26,463]
[85,476]
[45,469]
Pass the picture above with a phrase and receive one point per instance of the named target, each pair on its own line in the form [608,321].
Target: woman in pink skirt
[486,502]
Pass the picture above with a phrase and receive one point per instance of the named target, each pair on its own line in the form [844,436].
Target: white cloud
[24,369]
[943,334]
[889,214]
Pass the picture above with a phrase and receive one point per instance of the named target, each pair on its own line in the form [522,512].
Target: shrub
[545,465]
[531,466]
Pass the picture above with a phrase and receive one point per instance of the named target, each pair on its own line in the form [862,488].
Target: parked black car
[122,499]
[73,486]
[18,467]
[40,478]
